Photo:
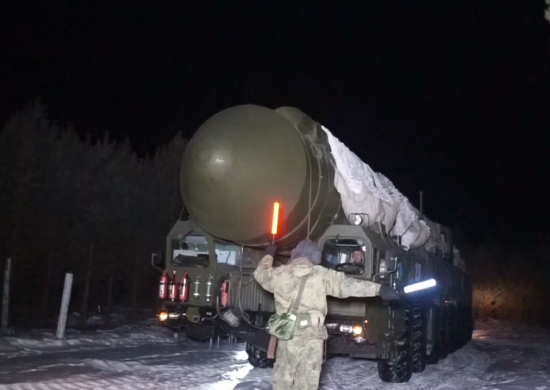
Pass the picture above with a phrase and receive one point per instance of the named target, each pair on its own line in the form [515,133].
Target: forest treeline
[90,207]
[93,208]
[511,282]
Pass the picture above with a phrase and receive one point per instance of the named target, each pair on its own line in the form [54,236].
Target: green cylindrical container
[244,159]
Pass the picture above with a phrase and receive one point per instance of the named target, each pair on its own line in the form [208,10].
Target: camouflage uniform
[299,360]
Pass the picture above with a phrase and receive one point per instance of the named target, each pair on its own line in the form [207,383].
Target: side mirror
[390,258]
[391,264]
[155,261]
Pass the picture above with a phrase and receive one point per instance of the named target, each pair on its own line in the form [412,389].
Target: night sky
[447,97]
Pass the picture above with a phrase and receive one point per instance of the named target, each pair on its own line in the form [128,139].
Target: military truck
[237,165]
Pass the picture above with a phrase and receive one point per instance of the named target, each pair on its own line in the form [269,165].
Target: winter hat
[309,249]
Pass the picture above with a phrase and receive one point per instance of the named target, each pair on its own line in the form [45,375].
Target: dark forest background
[94,208]
[510,280]
[71,205]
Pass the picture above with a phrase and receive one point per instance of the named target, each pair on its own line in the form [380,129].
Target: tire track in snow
[462,370]
[221,368]
[148,367]
[83,382]
[491,361]
[200,368]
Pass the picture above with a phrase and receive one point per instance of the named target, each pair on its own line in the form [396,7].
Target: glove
[388,294]
[270,250]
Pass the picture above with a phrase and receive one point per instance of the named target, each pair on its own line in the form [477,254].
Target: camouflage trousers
[298,364]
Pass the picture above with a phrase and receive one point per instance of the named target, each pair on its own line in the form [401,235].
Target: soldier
[299,360]
[357,257]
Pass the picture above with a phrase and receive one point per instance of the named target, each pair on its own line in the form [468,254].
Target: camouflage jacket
[284,282]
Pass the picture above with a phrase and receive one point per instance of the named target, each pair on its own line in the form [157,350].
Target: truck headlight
[357,330]
[346,328]
[163,315]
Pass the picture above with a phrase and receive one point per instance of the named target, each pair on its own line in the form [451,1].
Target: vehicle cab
[194,282]
[363,254]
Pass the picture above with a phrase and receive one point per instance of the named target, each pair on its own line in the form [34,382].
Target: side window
[331,257]
[346,255]
[227,253]
[190,251]
[251,257]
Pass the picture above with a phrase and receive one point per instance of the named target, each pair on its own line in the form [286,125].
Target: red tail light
[224,293]
[172,288]
[163,286]
[184,288]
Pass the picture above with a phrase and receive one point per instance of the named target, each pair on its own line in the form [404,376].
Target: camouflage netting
[366,192]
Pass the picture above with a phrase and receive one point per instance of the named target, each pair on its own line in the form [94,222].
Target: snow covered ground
[501,356]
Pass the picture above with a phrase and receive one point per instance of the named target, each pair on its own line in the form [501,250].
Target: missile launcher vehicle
[237,165]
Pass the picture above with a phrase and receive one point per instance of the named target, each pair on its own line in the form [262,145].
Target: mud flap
[258,339]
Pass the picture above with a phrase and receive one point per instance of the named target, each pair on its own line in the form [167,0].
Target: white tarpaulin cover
[367,192]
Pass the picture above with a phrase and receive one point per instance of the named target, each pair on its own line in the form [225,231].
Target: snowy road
[500,356]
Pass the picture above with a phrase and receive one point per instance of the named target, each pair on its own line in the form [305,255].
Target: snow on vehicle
[246,158]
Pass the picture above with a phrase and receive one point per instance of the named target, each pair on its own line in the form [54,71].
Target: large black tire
[442,339]
[398,367]
[452,329]
[418,338]
[469,325]
[461,327]
[257,357]
[433,335]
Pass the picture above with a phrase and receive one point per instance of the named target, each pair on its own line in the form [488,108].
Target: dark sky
[443,96]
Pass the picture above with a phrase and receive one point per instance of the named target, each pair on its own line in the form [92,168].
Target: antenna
[421,204]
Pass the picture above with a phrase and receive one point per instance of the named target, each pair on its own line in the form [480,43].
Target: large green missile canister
[244,159]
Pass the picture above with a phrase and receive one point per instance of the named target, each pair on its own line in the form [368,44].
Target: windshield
[344,251]
[190,251]
[228,253]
